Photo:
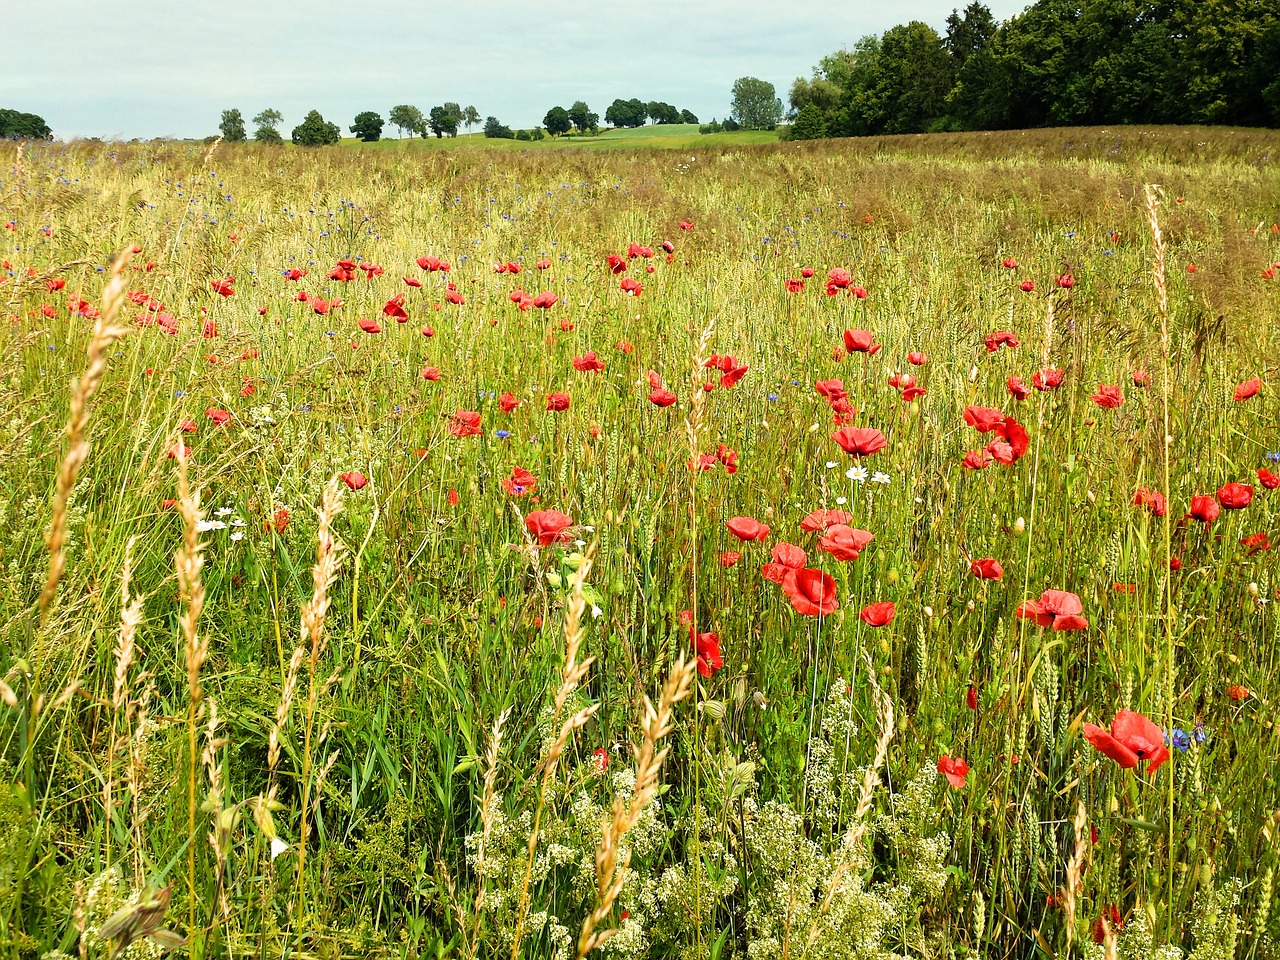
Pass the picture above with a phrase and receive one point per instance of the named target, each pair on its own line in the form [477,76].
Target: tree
[557,121]
[497,131]
[315,131]
[457,114]
[755,104]
[16,125]
[367,126]
[582,117]
[625,113]
[232,126]
[660,112]
[809,124]
[267,121]
[406,117]
[687,117]
[971,33]
[470,116]
[442,121]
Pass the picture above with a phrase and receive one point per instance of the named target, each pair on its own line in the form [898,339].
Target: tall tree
[16,125]
[404,117]
[232,126]
[755,104]
[557,121]
[626,113]
[266,122]
[441,121]
[495,129]
[470,116]
[457,114]
[367,126]
[315,131]
[582,117]
[970,33]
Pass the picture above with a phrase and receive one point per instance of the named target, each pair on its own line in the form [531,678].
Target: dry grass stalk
[611,859]
[1075,873]
[570,677]
[486,824]
[105,333]
[223,820]
[121,701]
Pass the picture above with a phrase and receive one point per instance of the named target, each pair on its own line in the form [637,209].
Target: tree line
[1058,63]
[315,131]
[16,125]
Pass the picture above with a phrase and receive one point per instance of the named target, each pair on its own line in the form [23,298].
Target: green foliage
[444,120]
[755,105]
[582,118]
[232,126]
[557,121]
[367,126]
[808,124]
[15,125]
[626,113]
[495,130]
[315,131]
[267,121]
[687,116]
[406,117]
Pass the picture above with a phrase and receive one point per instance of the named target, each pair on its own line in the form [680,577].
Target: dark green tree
[16,125]
[232,126]
[687,116]
[367,126]
[970,33]
[755,104]
[266,122]
[557,121]
[442,120]
[582,118]
[625,113]
[809,124]
[404,117]
[496,130]
[315,131]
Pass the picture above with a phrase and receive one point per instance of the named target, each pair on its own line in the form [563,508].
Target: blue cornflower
[772,398]
[1274,456]
[1179,739]
[502,434]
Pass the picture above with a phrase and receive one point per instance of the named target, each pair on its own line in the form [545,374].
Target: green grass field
[675,136]
[352,604]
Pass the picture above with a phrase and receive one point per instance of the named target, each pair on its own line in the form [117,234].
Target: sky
[168,68]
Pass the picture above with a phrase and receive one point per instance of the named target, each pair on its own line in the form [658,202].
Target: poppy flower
[1268,479]
[913,392]
[633,287]
[1013,442]
[812,592]
[1017,389]
[806,272]
[878,614]
[625,346]
[785,558]
[617,264]
[1065,282]
[732,376]
[860,441]
[1141,378]
[224,287]
[838,277]
[844,543]
[188,426]
[1132,738]
[983,419]
[322,306]
[661,397]
[1009,263]
[557,401]
[354,479]
[369,326]
[1204,508]
[1047,379]
[971,697]
[507,402]
[707,647]
[749,529]
[548,526]
[1152,500]
[1055,608]
[521,483]
[412,282]
[455,298]
[588,362]
[976,460]
[545,300]
[1248,389]
[686,225]
[1000,338]
[431,373]
[916,358]
[1108,396]
[986,569]
[219,417]
[1026,286]
[1256,542]
[727,456]
[1237,692]
[795,285]
[861,341]
[955,769]
[822,519]
[729,557]
[1235,496]
[830,388]
[465,423]
[395,308]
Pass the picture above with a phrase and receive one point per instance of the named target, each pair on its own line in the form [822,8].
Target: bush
[315,131]
[497,131]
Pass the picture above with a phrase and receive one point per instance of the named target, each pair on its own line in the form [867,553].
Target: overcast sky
[151,68]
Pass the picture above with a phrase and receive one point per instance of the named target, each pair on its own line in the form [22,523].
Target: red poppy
[1055,608]
[662,397]
[983,419]
[861,341]
[1017,389]
[1248,389]
[1009,263]
[369,326]
[452,497]
[557,401]
[1152,500]
[785,558]
[1204,508]
[795,285]
[431,373]
[1047,379]
[635,250]
[838,277]
[1066,281]
[454,297]
[633,287]
[1132,738]
[588,362]
[395,308]
[617,264]
[1256,542]
[707,646]
[1268,479]
[830,388]
[508,402]
[727,456]
[545,300]
[1108,396]
[224,287]
[732,376]
[1000,338]
[955,769]
[806,272]
[729,557]
[1235,496]
[844,543]
[913,392]
[548,526]
[219,417]
[986,569]
[1141,378]
[916,358]
[521,483]
[860,441]
[1237,692]
[976,460]
[748,528]
[625,346]
[812,592]
[878,614]
[686,225]
[822,519]
[971,697]
[465,423]
[354,479]
[412,281]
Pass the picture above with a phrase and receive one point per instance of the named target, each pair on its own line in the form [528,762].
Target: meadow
[839,549]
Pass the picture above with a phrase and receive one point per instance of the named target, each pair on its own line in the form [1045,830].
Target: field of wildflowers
[816,551]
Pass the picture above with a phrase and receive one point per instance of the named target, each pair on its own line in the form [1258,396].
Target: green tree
[470,116]
[404,117]
[660,112]
[755,104]
[626,113]
[971,33]
[809,124]
[367,126]
[16,125]
[315,131]
[582,118]
[442,120]
[557,121]
[496,130]
[686,116]
[232,126]
[266,122]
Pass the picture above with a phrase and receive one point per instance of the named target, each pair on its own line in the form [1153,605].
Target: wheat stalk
[105,333]
[1075,871]
[486,822]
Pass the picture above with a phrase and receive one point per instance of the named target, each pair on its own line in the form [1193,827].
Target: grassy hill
[675,136]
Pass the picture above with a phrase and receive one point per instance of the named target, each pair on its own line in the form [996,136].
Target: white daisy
[204,526]
[858,473]
[879,477]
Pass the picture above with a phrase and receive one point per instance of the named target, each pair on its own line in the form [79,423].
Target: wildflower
[1000,338]
[917,359]
[431,373]
[785,558]
[860,441]
[1017,389]
[844,543]
[956,770]
[225,287]
[369,326]
[1108,396]
[1204,508]
[1066,281]
[812,592]
[878,614]
[557,401]
[354,479]
[747,528]
[662,397]
[983,419]
[707,646]
[1237,692]
[548,526]
[588,362]
[1026,286]
[395,308]
[824,519]
[880,478]
[1179,739]
[465,423]
[729,557]
[795,285]
[1009,263]
[858,473]
[971,697]
[1235,496]
[1267,479]
[1047,379]
[861,341]
[521,483]
[508,402]
[1248,389]
[976,460]
[204,526]
[1055,608]
[1132,738]
[986,569]
[1150,499]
